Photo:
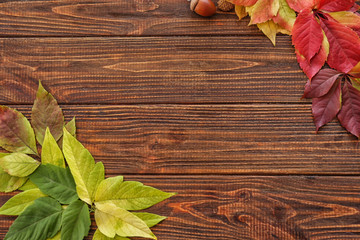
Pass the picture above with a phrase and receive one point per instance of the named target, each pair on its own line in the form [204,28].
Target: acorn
[225,6]
[205,8]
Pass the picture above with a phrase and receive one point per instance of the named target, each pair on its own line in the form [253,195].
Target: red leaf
[307,36]
[321,83]
[243,2]
[311,68]
[344,46]
[263,10]
[349,115]
[336,5]
[299,5]
[348,19]
[326,107]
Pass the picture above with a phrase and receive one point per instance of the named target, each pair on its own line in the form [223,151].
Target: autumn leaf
[16,133]
[299,5]
[349,116]
[321,83]
[348,19]
[326,107]
[243,2]
[316,63]
[286,16]
[240,11]
[344,46]
[46,113]
[336,5]
[263,10]
[307,36]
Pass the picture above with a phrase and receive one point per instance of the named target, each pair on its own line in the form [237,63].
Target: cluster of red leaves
[325,31]
[328,31]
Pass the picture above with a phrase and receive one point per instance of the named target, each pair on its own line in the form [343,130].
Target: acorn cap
[225,6]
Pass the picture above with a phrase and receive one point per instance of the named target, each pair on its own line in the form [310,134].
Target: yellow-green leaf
[16,134]
[129,195]
[56,237]
[270,29]
[96,176]
[149,218]
[99,236]
[51,153]
[17,204]
[28,185]
[18,164]
[10,183]
[286,16]
[71,127]
[112,220]
[81,165]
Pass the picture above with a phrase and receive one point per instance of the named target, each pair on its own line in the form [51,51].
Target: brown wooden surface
[207,108]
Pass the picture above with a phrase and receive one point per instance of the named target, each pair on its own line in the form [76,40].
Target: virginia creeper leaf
[243,2]
[28,185]
[326,107]
[75,221]
[299,5]
[344,46]
[355,72]
[349,115]
[348,19]
[285,17]
[307,36]
[112,220]
[336,5]
[51,153]
[18,203]
[81,164]
[240,11]
[149,218]
[129,195]
[16,134]
[19,164]
[39,221]
[263,10]
[311,68]
[56,182]
[10,183]
[46,113]
[355,83]
[99,236]
[321,83]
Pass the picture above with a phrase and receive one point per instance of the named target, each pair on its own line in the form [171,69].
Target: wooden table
[207,108]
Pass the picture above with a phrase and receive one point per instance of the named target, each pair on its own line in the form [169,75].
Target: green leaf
[46,113]
[18,203]
[51,153]
[39,221]
[76,221]
[82,166]
[99,236]
[149,218]
[28,185]
[16,134]
[19,164]
[55,181]
[10,183]
[129,195]
[113,220]
[96,176]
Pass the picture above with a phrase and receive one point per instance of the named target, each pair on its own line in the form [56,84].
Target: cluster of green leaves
[59,192]
[323,31]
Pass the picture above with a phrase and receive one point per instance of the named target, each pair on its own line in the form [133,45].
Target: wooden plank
[213,139]
[252,207]
[151,70]
[113,18]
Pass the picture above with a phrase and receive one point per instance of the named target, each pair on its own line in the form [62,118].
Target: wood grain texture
[113,18]
[151,70]
[213,139]
[251,208]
